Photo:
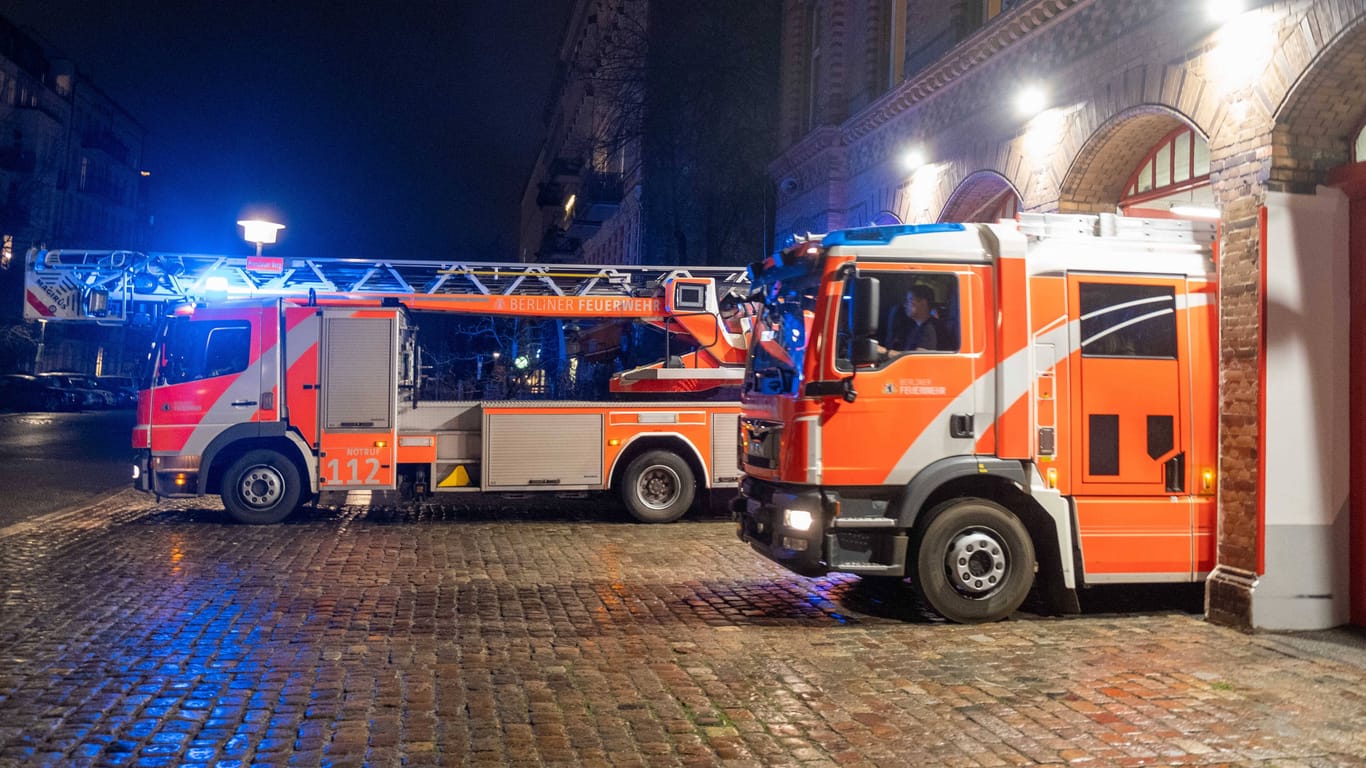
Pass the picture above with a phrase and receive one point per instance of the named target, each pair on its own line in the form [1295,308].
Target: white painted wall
[1306,504]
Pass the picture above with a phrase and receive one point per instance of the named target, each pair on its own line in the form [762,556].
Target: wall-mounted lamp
[1030,101]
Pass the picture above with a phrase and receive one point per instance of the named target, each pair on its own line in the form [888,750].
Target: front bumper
[862,539]
[171,477]
[759,512]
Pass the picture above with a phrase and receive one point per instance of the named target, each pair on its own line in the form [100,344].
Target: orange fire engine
[970,406]
[311,383]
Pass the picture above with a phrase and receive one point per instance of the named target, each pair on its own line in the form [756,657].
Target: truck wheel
[261,488]
[975,561]
[658,487]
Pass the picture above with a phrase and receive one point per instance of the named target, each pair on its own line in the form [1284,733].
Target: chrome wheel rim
[261,486]
[977,562]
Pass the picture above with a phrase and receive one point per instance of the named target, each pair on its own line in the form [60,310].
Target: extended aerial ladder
[704,304]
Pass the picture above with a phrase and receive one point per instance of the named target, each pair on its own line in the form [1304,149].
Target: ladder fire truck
[1062,421]
[272,380]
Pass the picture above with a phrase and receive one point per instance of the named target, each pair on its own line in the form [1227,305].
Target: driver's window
[919,314]
[202,349]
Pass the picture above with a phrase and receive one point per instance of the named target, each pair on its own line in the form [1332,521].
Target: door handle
[960,425]
[242,403]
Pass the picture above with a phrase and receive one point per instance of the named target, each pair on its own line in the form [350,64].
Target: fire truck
[270,381]
[1056,423]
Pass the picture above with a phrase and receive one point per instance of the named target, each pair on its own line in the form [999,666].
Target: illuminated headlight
[797,519]
[137,471]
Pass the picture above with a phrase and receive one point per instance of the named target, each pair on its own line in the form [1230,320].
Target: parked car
[124,390]
[22,392]
[89,394]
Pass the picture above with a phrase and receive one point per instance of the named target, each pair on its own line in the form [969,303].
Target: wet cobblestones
[554,633]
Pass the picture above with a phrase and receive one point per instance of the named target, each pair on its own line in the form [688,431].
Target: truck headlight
[797,519]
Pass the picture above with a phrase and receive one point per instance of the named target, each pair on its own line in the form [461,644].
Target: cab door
[1131,426]
[216,369]
[914,407]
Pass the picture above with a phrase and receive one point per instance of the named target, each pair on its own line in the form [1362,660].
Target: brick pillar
[1239,163]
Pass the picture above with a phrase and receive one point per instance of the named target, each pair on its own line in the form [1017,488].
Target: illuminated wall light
[1242,51]
[569,204]
[1030,101]
[923,193]
[913,159]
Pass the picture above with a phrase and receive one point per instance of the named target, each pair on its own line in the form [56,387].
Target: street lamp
[260,232]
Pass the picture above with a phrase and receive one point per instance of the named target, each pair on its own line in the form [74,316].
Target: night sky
[404,129]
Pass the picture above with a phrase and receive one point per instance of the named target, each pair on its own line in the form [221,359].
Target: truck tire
[658,487]
[974,561]
[260,488]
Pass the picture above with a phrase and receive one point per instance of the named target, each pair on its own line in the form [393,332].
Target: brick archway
[1096,179]
[981,197]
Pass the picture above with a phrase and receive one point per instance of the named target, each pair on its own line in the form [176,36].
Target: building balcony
[109,144]
[564,169]
[550,194]
[558,247]
[601,188]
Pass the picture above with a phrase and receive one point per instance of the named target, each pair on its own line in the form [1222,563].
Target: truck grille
[760,442]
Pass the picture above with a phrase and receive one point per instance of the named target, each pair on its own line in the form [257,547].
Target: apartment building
[70,156]
[657,135]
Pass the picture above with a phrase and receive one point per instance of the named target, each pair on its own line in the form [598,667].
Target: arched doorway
[1107,169]
[984,196]
[1316,141]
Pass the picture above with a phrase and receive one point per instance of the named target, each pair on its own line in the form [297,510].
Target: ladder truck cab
[977,407]
[272,383]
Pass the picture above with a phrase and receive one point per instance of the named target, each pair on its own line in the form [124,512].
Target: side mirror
[866,351]
[865,310]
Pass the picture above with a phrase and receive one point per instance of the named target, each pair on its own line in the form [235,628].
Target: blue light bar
[884,235]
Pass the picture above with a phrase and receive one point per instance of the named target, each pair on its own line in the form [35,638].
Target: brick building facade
[1267,94]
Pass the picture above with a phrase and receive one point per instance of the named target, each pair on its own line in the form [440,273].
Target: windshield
[778,347]
[191,350]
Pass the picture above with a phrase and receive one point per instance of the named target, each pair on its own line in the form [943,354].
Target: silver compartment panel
[725,436]
[543,451]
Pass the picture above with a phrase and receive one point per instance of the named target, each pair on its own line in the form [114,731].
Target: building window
[1359,148]
[978,13]
[1128,320]
[85,172]
[891,57]
[1175,171]
[813,66]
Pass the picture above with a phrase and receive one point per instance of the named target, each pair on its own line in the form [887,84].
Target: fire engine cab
[973,407]
[272,383]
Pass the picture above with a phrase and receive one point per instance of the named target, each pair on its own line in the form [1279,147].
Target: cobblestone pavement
[559,634]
